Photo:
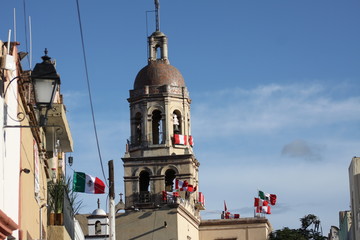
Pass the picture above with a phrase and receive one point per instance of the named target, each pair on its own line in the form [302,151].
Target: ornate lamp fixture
[45,80]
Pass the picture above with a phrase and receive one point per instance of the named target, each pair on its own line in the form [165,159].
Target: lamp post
[45,80]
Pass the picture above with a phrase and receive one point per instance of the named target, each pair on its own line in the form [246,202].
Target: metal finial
[46,51]
[98,202]
[157,14]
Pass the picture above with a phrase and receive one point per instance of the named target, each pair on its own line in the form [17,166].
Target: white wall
[10,156]
[79,235]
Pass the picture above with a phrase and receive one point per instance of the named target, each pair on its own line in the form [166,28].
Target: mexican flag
[273,199]
[258,202]
[264,196]
[263,209]
[87,184]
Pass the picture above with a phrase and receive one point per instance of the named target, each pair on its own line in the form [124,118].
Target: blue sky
[274,88]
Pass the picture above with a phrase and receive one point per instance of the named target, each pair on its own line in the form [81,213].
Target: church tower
[160,168]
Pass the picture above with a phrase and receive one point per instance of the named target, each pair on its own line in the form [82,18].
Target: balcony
[150,141]
[61,214]
[57,117]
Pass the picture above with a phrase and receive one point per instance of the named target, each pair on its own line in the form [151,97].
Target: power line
[89,92]
[25,29]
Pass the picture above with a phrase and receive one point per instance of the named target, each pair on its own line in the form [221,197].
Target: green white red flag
[268,197]
[85,183]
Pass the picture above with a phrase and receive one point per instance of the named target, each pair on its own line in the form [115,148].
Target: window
[138,129]
[144,181]
[97,227]
[169,180]
[177,122]
[156,127]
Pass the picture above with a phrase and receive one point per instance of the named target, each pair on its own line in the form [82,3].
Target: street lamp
[45,80]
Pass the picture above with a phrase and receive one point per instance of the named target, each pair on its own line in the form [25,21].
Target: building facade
[161,172]
[32,154]
[9,142]
[354,182]
[159,153]
[345,228]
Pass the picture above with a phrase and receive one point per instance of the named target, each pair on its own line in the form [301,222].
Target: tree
[309,230]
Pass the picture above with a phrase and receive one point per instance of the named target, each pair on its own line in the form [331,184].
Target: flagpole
[111,200]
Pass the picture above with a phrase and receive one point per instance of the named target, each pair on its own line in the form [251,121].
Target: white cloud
[270,109]
[254,133]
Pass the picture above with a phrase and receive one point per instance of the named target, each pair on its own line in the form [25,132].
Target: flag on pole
[261,195]
[181,185]
[226,213]
[266,209]
[263,209]
[258,202]
[85,183]
[264,196]
[273,199]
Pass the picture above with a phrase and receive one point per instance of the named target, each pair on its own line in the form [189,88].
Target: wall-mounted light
[25,170]
[70,160]
[45,80]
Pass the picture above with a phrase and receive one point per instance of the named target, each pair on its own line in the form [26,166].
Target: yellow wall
[243,228]
[29,205]
[57,233]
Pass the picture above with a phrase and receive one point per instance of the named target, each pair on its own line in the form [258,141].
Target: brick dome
[159,73]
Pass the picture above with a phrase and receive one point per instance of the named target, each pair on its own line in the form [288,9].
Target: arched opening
[156,127]
[144,183]
[169,180]
[177,122]
[98,228]
[158,51]
[138,129]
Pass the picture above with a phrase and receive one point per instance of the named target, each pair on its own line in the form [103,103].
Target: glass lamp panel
[44,91]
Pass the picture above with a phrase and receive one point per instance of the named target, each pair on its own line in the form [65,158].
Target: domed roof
[99,212]
[159,73]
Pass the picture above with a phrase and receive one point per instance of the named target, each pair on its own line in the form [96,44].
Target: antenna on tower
[157,15]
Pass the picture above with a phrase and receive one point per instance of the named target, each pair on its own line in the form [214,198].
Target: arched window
[97,227]
[144,181]
[177,122]
[169,180]
[156,127]
[138,129]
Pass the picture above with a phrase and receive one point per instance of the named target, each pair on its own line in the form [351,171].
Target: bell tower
[159,152]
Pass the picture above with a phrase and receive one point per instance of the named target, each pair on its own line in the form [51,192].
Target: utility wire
[25,28]
[89,91]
